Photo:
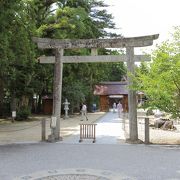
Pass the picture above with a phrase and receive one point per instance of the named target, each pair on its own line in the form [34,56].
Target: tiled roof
[111,88]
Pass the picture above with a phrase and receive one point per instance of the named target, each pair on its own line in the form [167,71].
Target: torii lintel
[141,41]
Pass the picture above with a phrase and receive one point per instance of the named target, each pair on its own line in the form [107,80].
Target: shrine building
[111,92]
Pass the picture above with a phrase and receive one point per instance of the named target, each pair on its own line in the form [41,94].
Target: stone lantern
[66,108]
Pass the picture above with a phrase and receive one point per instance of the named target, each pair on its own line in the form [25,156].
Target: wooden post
[43,130]
[133,129]
[58,90]
[146,131]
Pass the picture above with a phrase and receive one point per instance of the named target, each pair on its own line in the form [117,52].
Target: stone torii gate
[93,44]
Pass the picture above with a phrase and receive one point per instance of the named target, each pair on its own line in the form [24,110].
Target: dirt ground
[30,131]
[158,135]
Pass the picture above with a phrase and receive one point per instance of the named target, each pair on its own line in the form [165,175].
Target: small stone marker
[66,108]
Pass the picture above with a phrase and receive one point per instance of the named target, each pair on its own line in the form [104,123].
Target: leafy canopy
[161,80]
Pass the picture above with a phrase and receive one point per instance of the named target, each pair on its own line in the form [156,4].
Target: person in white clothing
[114,107]
[119,109]
[84,112]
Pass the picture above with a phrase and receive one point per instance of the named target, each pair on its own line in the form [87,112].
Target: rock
[159,123]
[168,125]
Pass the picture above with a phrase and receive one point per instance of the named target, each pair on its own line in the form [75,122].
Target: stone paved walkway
[109,130]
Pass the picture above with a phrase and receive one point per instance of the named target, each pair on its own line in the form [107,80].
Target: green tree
[81,20]
[6,16]
[17,54]
[161,81]
[21,76]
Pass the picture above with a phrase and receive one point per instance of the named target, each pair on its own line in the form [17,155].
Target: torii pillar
[58,73]
[128,43]
[132,102]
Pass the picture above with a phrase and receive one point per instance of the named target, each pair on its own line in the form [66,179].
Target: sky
[145,17]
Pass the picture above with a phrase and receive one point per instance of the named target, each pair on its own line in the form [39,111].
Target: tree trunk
[24,101]
[90,96]
[39,108]
[1,96]
[13,104]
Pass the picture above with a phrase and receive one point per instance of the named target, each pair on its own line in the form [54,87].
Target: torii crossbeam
[130,58]
[91,59]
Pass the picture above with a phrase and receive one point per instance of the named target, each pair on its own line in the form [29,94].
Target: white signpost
[13,115]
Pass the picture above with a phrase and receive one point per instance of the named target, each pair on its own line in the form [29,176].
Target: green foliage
[161,80]
[23,113]
[76,93]
[86,75]
[75,20]
[82,20]
[16,52]
[116,71]
[21,76]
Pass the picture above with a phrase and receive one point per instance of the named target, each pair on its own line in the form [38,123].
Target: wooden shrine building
[111,92]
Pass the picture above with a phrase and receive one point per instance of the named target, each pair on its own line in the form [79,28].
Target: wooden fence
[88,131]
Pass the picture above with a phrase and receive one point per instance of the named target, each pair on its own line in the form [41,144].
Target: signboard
[53,122]
[13,114]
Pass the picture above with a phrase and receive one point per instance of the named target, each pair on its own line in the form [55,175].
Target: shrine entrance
[110,93]
[94,44]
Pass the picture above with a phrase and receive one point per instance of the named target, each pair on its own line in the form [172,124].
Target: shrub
[23,113]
